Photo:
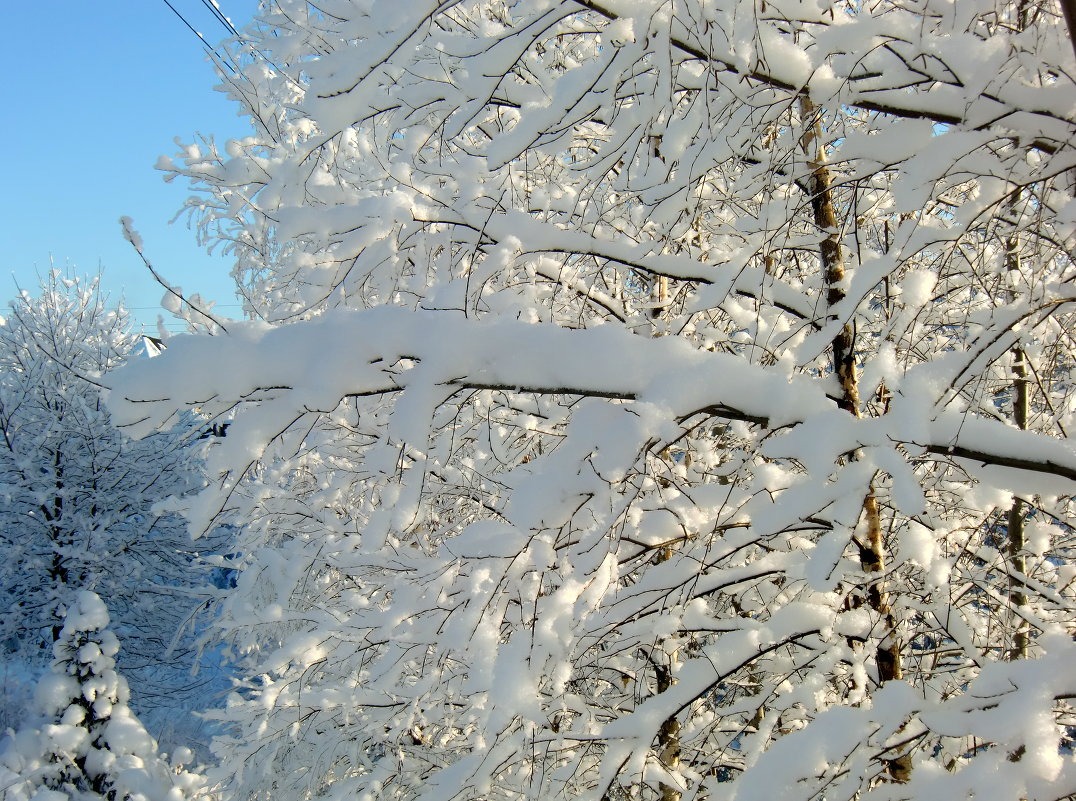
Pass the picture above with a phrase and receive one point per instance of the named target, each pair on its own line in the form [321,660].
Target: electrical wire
[190,27]
[226,60]
[217,15]
[216,12]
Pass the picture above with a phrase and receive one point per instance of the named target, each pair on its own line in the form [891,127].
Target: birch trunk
[872,549]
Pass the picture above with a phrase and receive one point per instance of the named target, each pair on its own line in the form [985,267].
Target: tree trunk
[1018,599]
[1017,595]
[872,549]
[1068,8]
[668,735]
[668,740]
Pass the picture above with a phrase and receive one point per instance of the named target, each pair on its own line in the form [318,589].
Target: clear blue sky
[96,92]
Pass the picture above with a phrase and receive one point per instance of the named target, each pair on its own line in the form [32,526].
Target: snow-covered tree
[77,497]
[653,399]
[88,745]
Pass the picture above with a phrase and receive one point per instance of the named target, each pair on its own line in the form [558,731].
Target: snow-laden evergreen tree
[87,744]
[79,499]
[649,399]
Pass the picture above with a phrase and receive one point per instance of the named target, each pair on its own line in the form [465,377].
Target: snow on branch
[892,79]
[312,366]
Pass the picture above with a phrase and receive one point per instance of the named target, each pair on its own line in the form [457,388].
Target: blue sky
[96,92]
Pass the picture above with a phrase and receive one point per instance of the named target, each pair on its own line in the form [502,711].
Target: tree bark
[668,735]
[1018,599]
[1068,8]
[1017,596]
[668,740]
[872,549]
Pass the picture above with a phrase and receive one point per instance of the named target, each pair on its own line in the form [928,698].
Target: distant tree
[81,504]
[644,399]
[88,745]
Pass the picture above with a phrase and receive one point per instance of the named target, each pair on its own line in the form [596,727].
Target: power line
[226,59]
[219,17]
[215,306]
[190,27]
[216,12]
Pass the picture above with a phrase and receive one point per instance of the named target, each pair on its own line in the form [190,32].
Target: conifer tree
[87,744]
